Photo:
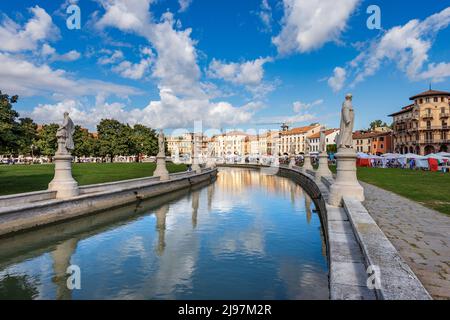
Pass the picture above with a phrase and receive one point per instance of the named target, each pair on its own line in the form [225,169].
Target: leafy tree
[8,124]
[84,143]
[331,148]
[46,142]
[377,123]
[145,140]
[114,139]
[26,135]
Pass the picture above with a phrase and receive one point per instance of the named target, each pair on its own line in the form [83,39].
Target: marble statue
[307,148]
[63,183]
[322,145]
[64,135]
[347,120]
[292,149]
[161,146]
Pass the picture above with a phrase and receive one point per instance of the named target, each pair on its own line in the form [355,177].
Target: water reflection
[245,236]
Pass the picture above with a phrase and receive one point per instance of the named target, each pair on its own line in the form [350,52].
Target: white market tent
[443,154]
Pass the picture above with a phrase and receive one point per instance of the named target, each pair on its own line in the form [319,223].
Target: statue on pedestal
[64,135]
[322,144]
[63,182]
[161,169]
[344,139]
[323,170]
[346,183]
[161,144]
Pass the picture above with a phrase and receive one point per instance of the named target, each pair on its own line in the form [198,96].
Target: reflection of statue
[161,146]
[161,214]
[322,147]
[347,120]
[64,135]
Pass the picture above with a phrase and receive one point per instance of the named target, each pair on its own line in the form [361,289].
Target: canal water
[245,236]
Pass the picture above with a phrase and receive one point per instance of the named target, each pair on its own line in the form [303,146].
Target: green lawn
[25,178]
[432,189]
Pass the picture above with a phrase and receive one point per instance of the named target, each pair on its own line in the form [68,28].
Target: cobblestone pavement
[421,235]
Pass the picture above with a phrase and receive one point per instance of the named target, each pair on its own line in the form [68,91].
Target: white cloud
[299,106]
[39,28]
[50,53]
[126,15]
[133,70]
[157,114]
[307,25]
[184,5]
[183,97]
[265,14]
[22,77]
[110,57]
[337,81]
[436,72]
[245,73]
[408,47]
[176,63]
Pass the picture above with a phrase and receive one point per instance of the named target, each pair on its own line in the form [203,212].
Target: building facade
[422,127]
[330,139]
[297,138]
[362,141]
[230,143]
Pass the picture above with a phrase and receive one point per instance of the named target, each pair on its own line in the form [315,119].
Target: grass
[431,189]
[26,178]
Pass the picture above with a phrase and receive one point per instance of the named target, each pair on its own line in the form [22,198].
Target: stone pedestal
[307,163]
[292,162]
[161,170]
[195,165]
[63,182]
[323,170]
[346,183]
[211,163]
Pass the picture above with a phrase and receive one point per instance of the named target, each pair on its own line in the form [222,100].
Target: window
[442,99]
[435,99]
[427,99]
[382,146]
[421,101]
[381,138]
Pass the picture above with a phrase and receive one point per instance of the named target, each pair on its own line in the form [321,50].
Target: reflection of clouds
[302,282]
[251,227]
[248,242]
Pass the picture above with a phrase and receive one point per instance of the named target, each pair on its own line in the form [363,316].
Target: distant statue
[210,150]
[161,145]
[64,135]
[347,121]
[322,146]
[307,145]
[292,149]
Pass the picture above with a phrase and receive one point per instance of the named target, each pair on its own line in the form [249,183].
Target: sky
[230,64]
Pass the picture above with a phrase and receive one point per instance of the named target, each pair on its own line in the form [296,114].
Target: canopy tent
[443,154]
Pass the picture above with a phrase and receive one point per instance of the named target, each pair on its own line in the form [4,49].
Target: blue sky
[230,64]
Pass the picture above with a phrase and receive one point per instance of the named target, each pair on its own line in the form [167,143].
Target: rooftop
[327,132]
[430,93]
[298,130]
[403,110]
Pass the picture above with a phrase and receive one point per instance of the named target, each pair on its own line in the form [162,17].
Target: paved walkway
[421,235]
